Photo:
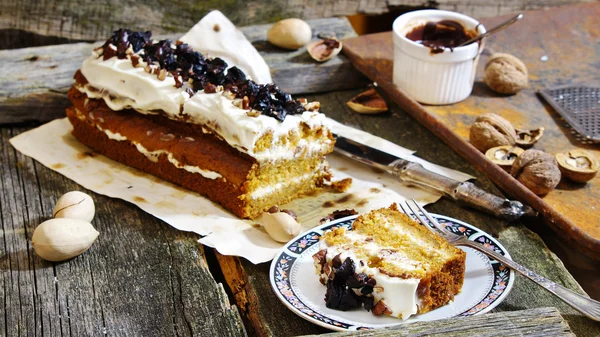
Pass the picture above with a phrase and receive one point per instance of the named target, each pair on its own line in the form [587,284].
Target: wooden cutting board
[560,47]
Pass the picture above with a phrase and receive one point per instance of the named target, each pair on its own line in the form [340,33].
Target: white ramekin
[443,78]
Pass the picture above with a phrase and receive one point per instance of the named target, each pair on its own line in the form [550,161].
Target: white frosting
[398,294]
[134,86]
[122,86]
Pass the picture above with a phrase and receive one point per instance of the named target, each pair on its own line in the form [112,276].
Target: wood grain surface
[140,278]
[267,316]
[35,80]
[568,37]
[534,322]
[94,20]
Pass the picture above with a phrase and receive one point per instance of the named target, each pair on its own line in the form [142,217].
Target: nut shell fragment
[323,50]
[537,170]
[368,102]
[526,138]
[577,165]
[491,130]
[504,156]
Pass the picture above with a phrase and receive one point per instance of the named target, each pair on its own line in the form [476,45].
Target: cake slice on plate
[390,264]
[165,109]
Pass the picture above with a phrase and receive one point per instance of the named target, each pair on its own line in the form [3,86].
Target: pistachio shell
[63,238]
[322,50]
[368,102]
[280,226]
[75,205]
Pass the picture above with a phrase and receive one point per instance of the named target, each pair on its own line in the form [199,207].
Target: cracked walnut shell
[537,170]
[491,130]
[577,165]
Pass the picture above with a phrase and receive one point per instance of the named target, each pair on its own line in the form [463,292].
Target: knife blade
[464,193]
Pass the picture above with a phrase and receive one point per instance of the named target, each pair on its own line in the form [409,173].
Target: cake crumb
[338,215]
[341,185]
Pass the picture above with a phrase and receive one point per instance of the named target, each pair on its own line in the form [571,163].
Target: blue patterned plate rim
[284,260]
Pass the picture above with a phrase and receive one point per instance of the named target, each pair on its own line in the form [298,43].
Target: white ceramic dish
[429,78]
[293,278]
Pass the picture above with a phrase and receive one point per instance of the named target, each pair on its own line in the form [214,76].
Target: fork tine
[407,210]
[416,213]
[429,217]
[404,208]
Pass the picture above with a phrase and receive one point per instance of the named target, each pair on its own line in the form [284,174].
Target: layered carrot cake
[165,109]
[389,264]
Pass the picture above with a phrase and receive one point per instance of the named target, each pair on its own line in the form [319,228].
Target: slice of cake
[165,109]
[390,264]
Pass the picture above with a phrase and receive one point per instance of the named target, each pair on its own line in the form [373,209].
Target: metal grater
[580,107]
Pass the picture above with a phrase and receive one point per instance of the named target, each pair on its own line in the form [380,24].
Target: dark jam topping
[180,59]
[342,289]
[440,35]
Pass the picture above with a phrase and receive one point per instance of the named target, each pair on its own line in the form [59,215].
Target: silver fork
[585,305]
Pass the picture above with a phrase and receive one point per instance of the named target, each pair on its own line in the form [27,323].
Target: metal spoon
[493,30]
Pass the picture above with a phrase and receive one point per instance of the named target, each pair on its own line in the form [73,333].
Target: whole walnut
[491,130]
[537,170]
[505,74]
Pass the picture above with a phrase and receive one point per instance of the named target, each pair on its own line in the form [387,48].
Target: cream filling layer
[267,190]
[398,294]
[123,86]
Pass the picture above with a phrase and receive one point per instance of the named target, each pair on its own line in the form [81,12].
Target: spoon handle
[494,30]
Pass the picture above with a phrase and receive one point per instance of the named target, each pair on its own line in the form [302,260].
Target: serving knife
[464,193]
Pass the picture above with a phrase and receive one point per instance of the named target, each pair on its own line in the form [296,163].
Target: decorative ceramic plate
[293,278]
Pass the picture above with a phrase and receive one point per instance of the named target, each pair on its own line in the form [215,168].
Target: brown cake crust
[217,190]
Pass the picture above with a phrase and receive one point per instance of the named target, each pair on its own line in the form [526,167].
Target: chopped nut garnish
[253,113]
[162,74]
[338,215]
[313,106]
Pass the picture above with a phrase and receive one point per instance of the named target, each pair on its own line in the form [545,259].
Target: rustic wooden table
[142,277]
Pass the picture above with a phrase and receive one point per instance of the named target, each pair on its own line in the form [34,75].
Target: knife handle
[465,193]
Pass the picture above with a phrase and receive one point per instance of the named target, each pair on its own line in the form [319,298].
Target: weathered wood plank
[268,316]
[92,20]
[534,322]
[141,277]
[35,80]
